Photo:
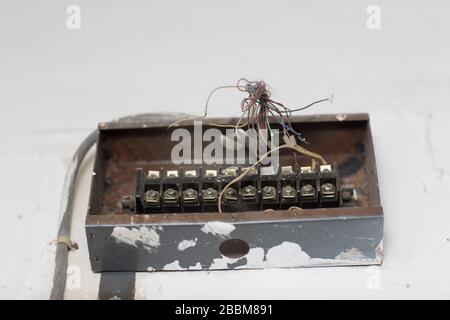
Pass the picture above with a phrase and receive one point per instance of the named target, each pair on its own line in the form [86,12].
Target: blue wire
[298,134]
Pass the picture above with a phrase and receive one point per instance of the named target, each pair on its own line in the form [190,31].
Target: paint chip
[174,266]
[350,254]
[197,266]
[287,254]
[183,245]
[218,228]
[146,237]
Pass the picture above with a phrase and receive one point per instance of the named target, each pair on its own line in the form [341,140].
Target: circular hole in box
[234,248]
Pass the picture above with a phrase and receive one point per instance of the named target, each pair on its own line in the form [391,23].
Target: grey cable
[63,247]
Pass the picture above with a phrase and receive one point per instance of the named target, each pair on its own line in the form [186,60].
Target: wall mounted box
[120,241]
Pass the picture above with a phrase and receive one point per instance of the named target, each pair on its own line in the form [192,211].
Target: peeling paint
[173,266]
[197,266]
[255,259]
[183,245]
[350,254]
[287,254]
[284,255]
[146,237]
[380,252]
[218,228]
[290,255]
[222,263]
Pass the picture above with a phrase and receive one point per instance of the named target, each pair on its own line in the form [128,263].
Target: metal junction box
[189,237]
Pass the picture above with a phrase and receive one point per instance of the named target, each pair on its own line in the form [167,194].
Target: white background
[148,56]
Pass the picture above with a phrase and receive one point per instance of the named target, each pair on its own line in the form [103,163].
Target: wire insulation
[295,148]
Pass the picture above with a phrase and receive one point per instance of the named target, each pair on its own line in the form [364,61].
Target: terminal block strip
[198,190]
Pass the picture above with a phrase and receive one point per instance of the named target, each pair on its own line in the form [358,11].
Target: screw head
[152,194]
[307,191]
[328,187]
[151,198]
[267,189]
[269,193]
[288,193]
[171,192]
[230,194]
[249,192]
[247,189]
[288,190]
[210,195]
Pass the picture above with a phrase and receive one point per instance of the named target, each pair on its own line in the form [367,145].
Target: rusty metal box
[349,235]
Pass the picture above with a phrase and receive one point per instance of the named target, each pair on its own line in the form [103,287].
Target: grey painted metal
[117,286]
[322,238]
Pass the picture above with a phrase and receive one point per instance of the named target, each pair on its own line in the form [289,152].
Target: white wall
[149,56]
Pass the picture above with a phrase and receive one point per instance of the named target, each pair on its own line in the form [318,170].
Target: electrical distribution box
[148,214]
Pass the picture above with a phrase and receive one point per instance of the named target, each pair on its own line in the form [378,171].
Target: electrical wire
[295,148]
[205,113]
[63,242]
[315,102]
[257,108]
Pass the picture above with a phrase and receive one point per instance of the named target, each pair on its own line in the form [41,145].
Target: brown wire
[296,148]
